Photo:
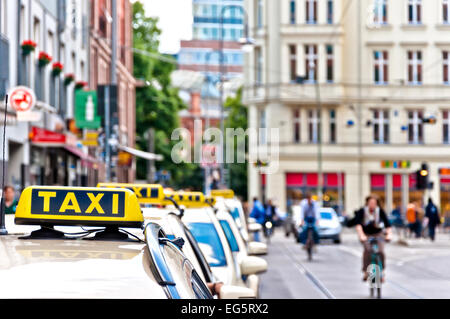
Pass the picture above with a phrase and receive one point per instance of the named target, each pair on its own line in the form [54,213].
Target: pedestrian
[433,218]
[411,217]
[258,213]
[397,219]
[10,200]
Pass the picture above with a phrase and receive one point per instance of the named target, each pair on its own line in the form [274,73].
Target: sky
[175,21]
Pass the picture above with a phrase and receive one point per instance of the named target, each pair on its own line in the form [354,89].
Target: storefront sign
[395,164]
[22,99]
[86,110]
[29,116]
[90,139]
[39,135]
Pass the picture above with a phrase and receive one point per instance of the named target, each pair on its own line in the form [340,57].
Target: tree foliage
[157,102]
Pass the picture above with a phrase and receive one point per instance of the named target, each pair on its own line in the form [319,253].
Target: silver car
[329,225]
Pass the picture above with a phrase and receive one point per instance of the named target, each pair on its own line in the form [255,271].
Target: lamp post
[245,42]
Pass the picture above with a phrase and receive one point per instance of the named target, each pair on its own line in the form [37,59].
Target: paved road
[418,270]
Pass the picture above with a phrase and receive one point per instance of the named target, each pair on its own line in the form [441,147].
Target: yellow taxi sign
[225,193]
[210,200]
[187,199]
[145,193]
[78,206]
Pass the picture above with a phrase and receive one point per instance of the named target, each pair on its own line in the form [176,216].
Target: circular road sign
[22,99]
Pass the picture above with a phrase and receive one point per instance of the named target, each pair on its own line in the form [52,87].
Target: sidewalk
[442,240]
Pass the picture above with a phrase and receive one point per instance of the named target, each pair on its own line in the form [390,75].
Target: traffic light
[422,177]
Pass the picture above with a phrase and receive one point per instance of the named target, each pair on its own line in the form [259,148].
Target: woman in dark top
[370,221]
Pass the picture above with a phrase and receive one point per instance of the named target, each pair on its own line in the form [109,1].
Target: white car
[208,232]
[175,229]
[329,225]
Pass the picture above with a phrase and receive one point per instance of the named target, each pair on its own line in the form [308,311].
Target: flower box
[68,78]
[44,59]
[79,85]
[28,46]
[57,68]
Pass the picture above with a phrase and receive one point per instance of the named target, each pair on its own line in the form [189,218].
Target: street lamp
[247,44]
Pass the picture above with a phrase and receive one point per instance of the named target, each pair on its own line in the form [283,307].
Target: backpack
[411,214]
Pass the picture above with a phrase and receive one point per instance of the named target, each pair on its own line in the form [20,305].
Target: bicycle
[375,269]
[309,245]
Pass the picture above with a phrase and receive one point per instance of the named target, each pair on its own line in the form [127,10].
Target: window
[258,63]
[292,12]
[297,126]
[415,127]
[210,244]
[415,11]
[311,11]
[293,62]
[414,67]
[3,16]
[329,49]
[231,239]
[380,126]
[380,12]
[262,127]
[332,126]
[381,67]
[314,126]
[37,36]
[330,11]
[311,62]
[259,14]
[446,67]
[446,11]
[446,127]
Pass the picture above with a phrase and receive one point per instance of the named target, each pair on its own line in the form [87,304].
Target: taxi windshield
[209,242]
[230,236]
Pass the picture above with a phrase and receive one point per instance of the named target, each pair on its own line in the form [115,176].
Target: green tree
[157,102]
[237,118]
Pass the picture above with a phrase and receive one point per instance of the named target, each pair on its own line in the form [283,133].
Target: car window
[230,236]
[209,242]
[326,215]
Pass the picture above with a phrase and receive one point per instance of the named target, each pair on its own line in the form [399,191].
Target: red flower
[70,76]
[57,66]
[44,56]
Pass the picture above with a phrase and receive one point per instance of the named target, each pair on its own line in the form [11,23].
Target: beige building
[380,69]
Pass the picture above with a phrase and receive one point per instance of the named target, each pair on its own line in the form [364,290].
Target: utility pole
[359,106]
[113,78]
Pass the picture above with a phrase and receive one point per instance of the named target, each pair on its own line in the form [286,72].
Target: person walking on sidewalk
[259,214]
[432,215]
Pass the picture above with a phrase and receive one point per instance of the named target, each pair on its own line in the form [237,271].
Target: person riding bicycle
[309,217]
[370,221]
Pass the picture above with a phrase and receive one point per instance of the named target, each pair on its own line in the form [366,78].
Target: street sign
[90,139]
[22,99]
[86,110]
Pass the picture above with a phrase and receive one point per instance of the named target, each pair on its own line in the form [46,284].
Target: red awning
[412,181]
[86,160]
[263,179]
[377,181]
[312,179]
[445,180]
[294,179]
[397,181]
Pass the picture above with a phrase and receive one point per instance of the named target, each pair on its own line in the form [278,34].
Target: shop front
[299,184]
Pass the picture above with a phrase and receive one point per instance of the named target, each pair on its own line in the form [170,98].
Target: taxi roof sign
[145,193]
[78,206]
[187,199]
[225,193]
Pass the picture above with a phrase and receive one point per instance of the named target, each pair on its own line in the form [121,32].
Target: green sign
[86,110]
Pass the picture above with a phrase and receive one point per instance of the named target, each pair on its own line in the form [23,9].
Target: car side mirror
[236,292]
[252,265]
[254,227]
[256,248]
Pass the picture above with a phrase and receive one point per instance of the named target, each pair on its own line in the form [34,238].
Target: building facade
[353,87]
[202,53]
[100,72]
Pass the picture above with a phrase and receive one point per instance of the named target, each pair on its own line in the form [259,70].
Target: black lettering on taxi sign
[77,203]
[145,192]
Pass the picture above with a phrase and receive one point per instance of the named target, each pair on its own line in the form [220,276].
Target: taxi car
[167,214]
[108,253]
[241,250]
[204,225]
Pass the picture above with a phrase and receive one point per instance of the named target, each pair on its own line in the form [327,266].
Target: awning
[142,154]
[86,160]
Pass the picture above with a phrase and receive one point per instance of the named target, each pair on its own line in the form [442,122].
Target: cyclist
[370,221]
[310,216]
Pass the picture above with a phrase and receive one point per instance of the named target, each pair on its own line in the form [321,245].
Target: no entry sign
[22,99]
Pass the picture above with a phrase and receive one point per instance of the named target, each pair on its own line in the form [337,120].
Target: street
[419,270]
